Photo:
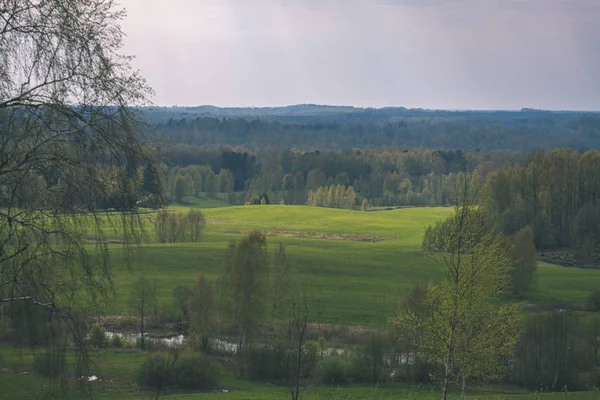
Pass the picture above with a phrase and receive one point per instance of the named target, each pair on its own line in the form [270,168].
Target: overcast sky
[453,54]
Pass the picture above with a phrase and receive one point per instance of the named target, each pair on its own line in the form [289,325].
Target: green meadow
[117,370]
[357,264]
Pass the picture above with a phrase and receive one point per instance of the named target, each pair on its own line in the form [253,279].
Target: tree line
[451,130]
[556,193]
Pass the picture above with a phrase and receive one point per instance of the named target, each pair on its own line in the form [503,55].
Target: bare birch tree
[70,146]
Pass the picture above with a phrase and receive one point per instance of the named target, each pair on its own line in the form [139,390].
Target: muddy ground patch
[320,235]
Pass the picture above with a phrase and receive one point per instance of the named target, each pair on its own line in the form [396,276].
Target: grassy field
[116,371]
[358,264]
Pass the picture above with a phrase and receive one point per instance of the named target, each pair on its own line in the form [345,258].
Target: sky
[437,54]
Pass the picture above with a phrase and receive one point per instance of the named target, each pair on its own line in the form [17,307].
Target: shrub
[50,363]
[332,371]
[189,372]
[367,363]
[116,341]
[266,362]
[194,372]
[593,301]
[154,373]
[97,336]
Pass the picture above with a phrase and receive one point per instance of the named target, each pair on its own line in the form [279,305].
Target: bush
[194,372]
[190,372]
[367,364]
[332,371]
[593,301]
[97,336]
[116,341]
[265,362]
[50,364]
[154,373]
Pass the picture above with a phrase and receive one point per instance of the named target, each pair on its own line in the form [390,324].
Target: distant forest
[315,127]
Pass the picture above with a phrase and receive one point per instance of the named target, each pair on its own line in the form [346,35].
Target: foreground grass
[116,370]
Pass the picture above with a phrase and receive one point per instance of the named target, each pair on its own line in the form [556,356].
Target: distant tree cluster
[196,180]
[174,227]
[336,196]
[386,177]
[555,193]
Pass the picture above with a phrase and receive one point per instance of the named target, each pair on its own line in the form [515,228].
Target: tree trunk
[463,395]
[447,365]
[142,326]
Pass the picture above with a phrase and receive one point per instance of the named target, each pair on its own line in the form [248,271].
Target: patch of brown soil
[322,235]
[566,258]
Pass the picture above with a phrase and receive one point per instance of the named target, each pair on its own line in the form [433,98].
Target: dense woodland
[362,128]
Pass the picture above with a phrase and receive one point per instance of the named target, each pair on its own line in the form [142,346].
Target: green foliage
[155,372]
[333,371]
[364,205]
[173,227]
[97,336]
[523,257]
[267,362]
[116,341]
[321,127]
[337,196]
[201,310]
[367,364]
[50,363]
[593,301]
[193,372]
[466,330]
[244,279]
[283,286]
[552,353]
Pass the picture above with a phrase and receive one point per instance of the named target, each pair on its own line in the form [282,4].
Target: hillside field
[357,264]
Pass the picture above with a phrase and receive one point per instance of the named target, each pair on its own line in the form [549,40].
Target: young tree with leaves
[142,300]
[282,286]
[195,223]
[523,257]
[244,280]
[201,309]
[467,328]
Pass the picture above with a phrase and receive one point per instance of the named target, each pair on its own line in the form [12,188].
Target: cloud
[426,53]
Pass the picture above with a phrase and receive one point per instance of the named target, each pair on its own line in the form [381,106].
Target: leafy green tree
[364,205]
[467,329]
[210,183]
[349,197]
[523,257]
[282,286]
[331,196]
[194,223]
[226,181]
[201,308]
[180,189]
[244,280]
[151,180]
[287,182]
